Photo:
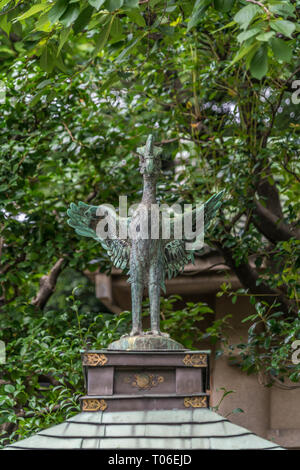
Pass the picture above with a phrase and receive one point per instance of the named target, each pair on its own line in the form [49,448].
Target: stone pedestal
[136,380]
[145,343]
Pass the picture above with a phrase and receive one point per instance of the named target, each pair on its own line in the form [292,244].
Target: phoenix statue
[147,260]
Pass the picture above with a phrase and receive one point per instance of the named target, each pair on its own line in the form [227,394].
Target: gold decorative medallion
[93,404]
[195,360]
[94,359]
[195,402]
[144,381]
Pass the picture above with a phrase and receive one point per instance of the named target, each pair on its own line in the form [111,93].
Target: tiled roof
[168,429]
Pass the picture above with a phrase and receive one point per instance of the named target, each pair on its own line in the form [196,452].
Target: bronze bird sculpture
[146,259]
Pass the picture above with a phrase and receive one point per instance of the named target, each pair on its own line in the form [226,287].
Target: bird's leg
[154,296]
[137,287]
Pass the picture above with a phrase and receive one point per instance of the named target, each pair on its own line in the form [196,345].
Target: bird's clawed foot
[157,333]
[136,332]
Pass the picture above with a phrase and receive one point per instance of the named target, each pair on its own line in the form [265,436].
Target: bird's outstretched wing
[175,257]
[211,206]
[85,219]
[206,212]
[175,254]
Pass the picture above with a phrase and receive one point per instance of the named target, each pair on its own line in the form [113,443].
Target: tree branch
[272,226]
[248,277]
[48,283]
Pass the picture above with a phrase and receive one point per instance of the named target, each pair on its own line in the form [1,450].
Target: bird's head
[149,156]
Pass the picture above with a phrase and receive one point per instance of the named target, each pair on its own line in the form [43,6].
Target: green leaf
[282,50]
[9,388]
[131,4]
[244,50]
[43,84]
[63,38]
[60,64]
[83,19]
[237,410]
[34,9]
[113,78]
[36,98]
[57,10]
[283,9]
[96,3]
[259,62]
[197,14]
[99,19]
[116,28]
[248,34]
[103,37]
[46,60]
[113,5]
[284,27]
[265,36]
[228,25]
[223,5]
[127,49]
[3,3]
[136,16]
[70,15]
[5,25]
[249,56]
[43,23]
[246,15]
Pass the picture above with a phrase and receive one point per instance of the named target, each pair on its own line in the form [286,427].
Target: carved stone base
[145,343]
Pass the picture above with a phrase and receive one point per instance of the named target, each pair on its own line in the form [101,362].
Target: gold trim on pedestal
[144,381]
[195,360]
[93,404]
[195,402]
[94,359]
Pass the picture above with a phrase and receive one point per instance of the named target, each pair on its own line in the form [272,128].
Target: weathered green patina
[146,342]
[147,259]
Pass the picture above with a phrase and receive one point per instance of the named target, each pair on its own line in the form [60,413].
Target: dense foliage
[43,379]
[84,82]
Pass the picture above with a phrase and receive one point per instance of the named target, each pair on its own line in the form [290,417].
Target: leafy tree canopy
[264,32]
[83,82]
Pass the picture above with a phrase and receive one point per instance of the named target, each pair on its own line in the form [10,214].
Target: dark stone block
[140,380]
